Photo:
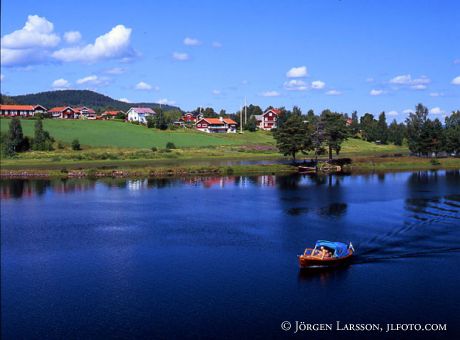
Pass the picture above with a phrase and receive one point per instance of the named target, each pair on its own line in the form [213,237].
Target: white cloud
[333,93]
[29,45]
[88,80]
[216,44]
[72,37]
[165,101]
[436,111]
[143,86]
[414,83]
[407,111]
[375,92]
[418,87]
[180,56]
[392,113]
[318,84]
[216,92]
[191,42]
[37,32]
[297,72]
[436,94]
[112,45]
[125,100]
[456,81]
[116,70]
[2,77]
[60,84]
[295,85]
[270,94]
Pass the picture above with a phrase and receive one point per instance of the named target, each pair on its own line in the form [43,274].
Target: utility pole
[241,120]
[245,111]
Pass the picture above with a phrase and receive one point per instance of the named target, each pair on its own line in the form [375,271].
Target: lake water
[217,257]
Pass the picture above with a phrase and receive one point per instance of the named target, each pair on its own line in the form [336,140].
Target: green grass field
[118,134]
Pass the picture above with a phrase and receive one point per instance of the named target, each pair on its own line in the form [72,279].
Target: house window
[270,114]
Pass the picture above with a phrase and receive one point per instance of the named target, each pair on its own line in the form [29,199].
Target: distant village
[139,115]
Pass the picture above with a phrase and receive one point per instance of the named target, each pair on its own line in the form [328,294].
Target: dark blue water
[216,257]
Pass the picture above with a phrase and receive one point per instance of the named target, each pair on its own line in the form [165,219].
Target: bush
[154,149]
[170,145]
[76,145]
[434,161]
[60,145]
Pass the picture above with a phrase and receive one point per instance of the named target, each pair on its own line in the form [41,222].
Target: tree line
[299,133]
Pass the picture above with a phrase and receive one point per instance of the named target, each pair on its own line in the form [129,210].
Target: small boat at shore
[326,254]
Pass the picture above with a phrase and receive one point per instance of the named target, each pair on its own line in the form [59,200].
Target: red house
[267,120]
[110,114]
[64,112]
[216,125]
[21,110]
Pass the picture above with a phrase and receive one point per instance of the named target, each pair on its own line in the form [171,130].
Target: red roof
[83,108]
[229,121]
[111,113]
[275,111]
[60,109]
[215,121]
[17,107]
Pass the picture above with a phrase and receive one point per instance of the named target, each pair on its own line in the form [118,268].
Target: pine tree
[382,129]
[335,130]
[293,137]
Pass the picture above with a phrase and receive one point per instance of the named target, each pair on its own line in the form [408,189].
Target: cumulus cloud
[456,81]
[375,92]
[191,42]
[436,94]
[72,37]
[60,84]
[333,93]
[216,44]
[37,32]
[216,92]
[414,83]
[112,45]
[143,86]
[270,94]
[124,100]
[295,85]
[29,45]
[436,111]
[165,101]
[318,84]
[297,72]
[392,113]
[407,111]
[180,56]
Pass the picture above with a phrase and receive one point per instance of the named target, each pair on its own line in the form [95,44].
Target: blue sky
[344,55]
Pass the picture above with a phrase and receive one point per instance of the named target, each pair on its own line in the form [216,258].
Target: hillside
[76,98]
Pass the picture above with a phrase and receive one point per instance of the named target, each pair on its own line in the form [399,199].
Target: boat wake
[431,227]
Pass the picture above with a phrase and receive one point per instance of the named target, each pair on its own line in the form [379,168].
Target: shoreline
[360,165]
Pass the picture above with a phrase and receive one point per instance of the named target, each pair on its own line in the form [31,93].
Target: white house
[140,114]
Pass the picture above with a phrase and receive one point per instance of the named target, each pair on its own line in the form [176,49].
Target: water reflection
[324,275]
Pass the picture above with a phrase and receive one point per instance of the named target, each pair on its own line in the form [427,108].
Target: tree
[415,123]
[382,129]
[354,126]
[120,115]
[296,111]
[431,139]
[42,139]
[251,124]
[76,145]
[396,132]
[369,127]
[452,133]
[311,118]
[293,137]
[150,122]
[15,140]
[335,130]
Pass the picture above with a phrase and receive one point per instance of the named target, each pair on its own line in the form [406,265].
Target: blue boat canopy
[340,249]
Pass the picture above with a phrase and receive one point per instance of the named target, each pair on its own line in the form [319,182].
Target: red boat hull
[306,261]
